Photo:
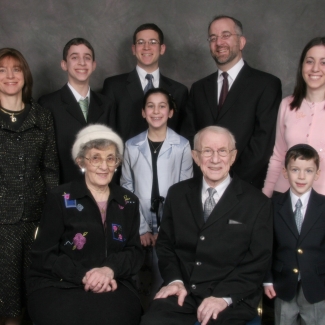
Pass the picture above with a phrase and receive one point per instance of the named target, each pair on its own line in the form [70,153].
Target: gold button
[300,251]
[295,270]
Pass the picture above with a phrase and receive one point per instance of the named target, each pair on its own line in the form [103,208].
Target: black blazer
[249,112]
[218,258]
[125,91]
[304,252]
[69,120]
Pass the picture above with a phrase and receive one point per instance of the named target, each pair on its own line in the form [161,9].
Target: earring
[83,170]
[115,170]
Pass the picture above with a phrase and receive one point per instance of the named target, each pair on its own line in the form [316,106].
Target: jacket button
[198,263]
[295,270]
[300,251]
[193,286]
[202,237]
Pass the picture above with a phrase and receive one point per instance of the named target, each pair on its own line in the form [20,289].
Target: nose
[146,45]
[219,41]
[301,174]
[215,157]
[10,73]
[315,67]
[82,61]
[103,165]
[156,110]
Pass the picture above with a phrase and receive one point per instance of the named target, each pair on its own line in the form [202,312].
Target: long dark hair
[300,90]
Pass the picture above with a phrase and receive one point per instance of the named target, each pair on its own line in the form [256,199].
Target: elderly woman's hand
[100,280]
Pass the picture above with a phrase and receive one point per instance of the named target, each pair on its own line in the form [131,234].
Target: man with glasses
[127,90]
[215,241]
[238,97]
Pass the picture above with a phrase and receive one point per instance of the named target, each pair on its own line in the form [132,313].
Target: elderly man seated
[215,242]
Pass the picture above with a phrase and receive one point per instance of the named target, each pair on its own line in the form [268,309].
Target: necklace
[11,114]
[155,149]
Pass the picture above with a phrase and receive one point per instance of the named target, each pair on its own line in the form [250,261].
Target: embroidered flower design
[79,240]
[121,206]
[80,207]
[117,232]
[300,115]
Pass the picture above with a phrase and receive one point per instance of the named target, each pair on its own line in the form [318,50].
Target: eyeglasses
[97,161]
[142,42]
[224,36]
[208,152]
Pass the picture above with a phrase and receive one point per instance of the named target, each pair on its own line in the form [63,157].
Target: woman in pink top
[301,117]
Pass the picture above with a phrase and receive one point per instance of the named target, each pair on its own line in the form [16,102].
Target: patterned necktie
[298,215]
[83,103]
[149,85]
[209,203]
[224,90]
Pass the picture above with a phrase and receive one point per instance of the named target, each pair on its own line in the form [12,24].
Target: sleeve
[277,159]
[47,259]
[187,163]
[253,160]
[129,260]
[50,163]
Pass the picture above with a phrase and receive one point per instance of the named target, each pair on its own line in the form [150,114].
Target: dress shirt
[232,75]
[77,95]
[142,75]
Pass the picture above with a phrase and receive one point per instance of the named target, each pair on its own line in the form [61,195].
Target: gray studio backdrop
[276,32]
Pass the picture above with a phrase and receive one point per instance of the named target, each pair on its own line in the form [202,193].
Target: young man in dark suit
[244,100]
[297,275]
[214,244]
[127,90]
[75,105]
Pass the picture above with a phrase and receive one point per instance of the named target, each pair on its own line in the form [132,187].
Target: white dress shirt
[77,95]
[232,75]
[142,75]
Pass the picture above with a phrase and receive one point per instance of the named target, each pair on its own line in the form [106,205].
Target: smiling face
[157,111]
[313,68]
[226,53]
[148,55]
[215,169]
[301,174]
[11,78]
[98,177]
[79,64]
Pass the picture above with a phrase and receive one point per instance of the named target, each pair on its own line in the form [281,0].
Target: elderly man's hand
[269,291]
[173,289]
[100,280]
[210,307]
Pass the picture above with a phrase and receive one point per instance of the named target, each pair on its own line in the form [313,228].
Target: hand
[269,291]
[173,289]
[99,280]
[210,307]
[148,239]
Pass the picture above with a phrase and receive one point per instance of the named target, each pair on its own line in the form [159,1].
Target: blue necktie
[149,85]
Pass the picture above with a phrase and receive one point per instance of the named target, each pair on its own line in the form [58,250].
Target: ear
[162,49]
[171,113]
[242,42]
[94,65]
[233,157]
[143,113]
[317,175]
[78,161]
[64,65]
[133,49]
[196,157]
[285,173]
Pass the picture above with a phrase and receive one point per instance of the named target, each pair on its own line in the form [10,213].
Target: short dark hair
[299,92]
[302,151]
[152,27]
[28,79]
[169,97]
[77,41]
[237,23]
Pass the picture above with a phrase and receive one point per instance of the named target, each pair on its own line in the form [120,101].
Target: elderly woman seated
[88,247]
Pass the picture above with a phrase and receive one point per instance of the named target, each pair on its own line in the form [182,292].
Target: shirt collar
[219,188]
[142,74]
[303,198]
[77,95]
[233,72]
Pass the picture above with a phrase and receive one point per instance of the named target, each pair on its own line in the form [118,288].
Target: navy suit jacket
[304,253]
[249,112]
[126,92]
[69,120]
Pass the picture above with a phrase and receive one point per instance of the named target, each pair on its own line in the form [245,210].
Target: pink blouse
[306,125]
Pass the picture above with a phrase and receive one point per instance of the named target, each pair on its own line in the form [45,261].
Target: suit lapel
[211,93]
[96,108]
[194,200]
[134,86]
[70,104]
[144,149]
[236,89]
[287,215]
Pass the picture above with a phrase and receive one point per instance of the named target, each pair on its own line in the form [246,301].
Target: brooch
[117,232]
[71,203]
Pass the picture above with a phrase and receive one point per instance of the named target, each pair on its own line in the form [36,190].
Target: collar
[233,72]
[77,95]
[303,198]
[219,188]
[142,75]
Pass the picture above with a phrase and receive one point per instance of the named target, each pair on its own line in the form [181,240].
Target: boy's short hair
[150,26]
[302,151]
[77,41]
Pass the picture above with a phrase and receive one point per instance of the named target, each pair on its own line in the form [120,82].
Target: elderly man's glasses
[97,161]
[208,152]
[142,42]
[224,36]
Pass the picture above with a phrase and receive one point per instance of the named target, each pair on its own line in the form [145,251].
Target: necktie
[209,204]
[83,103]
[224,90]
[149,85]
[298,215]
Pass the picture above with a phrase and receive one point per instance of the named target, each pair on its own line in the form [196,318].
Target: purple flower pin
[79,241]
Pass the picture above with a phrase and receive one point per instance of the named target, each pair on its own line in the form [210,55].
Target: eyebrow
[76,53]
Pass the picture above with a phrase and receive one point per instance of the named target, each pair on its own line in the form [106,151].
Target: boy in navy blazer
[297,275]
